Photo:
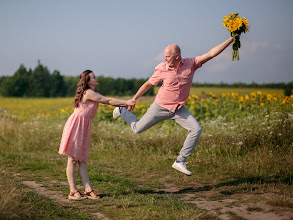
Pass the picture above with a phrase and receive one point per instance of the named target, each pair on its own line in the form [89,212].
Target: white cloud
[251,47]
[220,63]
[154,61]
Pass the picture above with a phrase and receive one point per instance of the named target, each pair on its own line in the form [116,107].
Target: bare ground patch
[236,207]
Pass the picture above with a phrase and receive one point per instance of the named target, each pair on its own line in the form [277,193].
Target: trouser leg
[187,121]
[154,115]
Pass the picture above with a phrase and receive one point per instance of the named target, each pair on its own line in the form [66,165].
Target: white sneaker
[181,166]
[116,113]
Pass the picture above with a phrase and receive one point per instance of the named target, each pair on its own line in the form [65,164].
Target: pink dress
[75,141]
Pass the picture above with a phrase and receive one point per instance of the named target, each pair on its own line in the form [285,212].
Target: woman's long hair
[82,85]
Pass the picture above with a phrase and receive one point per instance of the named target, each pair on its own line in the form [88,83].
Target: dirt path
[227,209]
[55,196]
[224,209]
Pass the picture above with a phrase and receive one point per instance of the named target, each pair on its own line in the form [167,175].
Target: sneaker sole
[188,174]
[115,115]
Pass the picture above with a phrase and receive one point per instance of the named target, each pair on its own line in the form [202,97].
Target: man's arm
[142,90]
[215,51]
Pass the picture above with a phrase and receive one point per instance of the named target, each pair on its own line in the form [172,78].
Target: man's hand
[131,107]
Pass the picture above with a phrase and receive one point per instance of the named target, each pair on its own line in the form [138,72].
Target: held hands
[130,104]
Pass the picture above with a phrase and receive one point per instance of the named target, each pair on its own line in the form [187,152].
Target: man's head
[172,54]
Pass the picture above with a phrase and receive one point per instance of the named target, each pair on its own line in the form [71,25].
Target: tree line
[40,82]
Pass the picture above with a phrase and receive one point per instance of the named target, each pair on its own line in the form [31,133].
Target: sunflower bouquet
[235,26]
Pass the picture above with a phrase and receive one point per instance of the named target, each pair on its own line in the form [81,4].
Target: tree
[57,88]
[40,81]
[70,85]
[17,84]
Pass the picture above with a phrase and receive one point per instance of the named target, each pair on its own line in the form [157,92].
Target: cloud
[253,46]
[151,63]
[159,57]
[220,63]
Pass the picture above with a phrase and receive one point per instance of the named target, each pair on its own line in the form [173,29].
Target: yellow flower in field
[262,104]
[195,97]
[241,100]
[269,97]
[259,92]
[213,95]
[192,103]
[283,102]
[224,95]
[261,98]
[247,97]
[62,110]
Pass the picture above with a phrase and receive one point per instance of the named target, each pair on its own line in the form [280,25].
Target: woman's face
[93,81]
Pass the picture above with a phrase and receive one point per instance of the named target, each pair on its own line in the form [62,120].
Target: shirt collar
[181,62]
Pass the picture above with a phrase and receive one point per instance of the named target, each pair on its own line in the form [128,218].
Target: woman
[75,141]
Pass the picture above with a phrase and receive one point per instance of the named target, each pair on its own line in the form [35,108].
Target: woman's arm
[97,97]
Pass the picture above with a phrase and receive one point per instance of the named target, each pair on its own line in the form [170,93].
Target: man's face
[170,57]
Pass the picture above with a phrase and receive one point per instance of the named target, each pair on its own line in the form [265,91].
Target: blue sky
[127,38]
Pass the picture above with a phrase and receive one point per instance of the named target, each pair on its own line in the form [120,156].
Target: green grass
[249,160]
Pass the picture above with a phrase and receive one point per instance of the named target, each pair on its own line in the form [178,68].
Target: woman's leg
[70,172]
[83,173]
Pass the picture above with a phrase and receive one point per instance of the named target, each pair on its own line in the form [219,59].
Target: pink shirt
[176,83]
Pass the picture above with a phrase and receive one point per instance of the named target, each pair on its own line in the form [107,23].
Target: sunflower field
[228,105]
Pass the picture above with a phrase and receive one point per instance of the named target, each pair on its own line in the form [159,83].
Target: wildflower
[241,100]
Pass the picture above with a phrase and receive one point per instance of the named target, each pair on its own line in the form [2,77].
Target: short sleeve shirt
[176,83]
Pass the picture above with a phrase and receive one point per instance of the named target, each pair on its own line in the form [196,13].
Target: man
[176,75]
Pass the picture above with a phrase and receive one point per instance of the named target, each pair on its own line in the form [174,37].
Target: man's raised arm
[215,51]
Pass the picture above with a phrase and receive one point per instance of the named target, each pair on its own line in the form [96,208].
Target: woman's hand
[130,104]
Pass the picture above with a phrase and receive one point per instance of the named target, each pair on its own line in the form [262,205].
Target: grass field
[242,165]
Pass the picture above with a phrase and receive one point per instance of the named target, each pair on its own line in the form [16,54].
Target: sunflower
[226,19]
[245,22]
[235,26]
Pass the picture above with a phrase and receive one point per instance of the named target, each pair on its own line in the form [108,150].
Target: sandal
[91,195]
[76,196]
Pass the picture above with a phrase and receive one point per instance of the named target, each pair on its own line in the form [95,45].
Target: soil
[224,209]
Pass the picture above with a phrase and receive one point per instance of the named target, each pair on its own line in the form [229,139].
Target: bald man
[176,75]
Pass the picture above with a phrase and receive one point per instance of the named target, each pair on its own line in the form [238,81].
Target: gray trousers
[156,114]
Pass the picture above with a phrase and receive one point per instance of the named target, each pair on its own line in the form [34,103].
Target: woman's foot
[76,196]
[91,195]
